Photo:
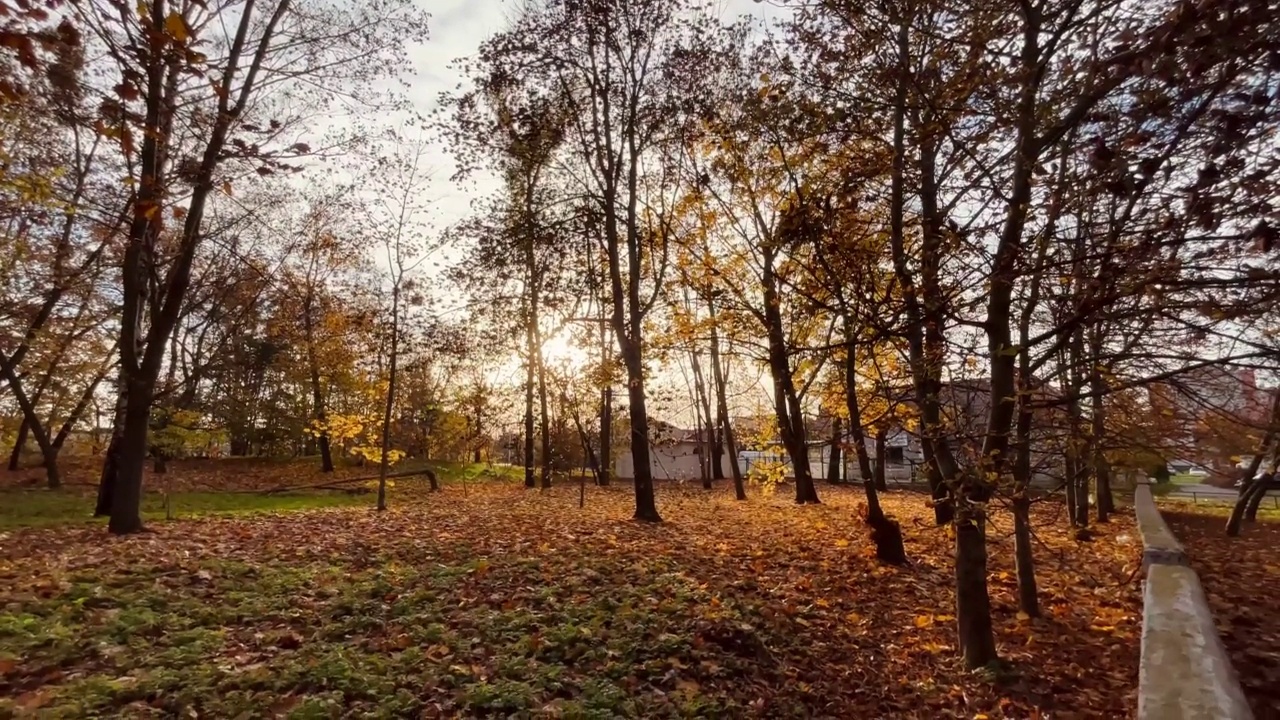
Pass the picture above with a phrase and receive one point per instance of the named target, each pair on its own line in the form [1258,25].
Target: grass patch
[40,508]
[1221,508]
[508,603]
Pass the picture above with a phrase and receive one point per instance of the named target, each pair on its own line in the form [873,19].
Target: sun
[559,350]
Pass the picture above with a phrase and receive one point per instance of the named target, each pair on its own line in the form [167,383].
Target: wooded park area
[1017,255]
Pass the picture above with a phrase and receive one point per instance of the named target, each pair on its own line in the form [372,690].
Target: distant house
[674,454]
[1216,414]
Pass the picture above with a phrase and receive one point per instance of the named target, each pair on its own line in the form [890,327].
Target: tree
[162,71]
[627,72]
[405,251]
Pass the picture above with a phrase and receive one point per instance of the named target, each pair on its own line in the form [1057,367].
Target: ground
[1239,576]
[492,601]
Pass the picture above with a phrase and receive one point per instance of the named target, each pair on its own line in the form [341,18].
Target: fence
[1210,498]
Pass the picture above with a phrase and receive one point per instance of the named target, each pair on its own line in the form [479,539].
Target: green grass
[312,640]
[1187,479]
[41,507]
[1268,510]
[38,508]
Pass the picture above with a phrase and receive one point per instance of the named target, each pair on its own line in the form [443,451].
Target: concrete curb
[1159,545]
[1184,672]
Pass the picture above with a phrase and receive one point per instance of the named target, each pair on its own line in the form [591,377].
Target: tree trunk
[717,447]
[943,507]
[384,461]
[1098,426]
[529,437]
[722,408]
[1256,493]
[1069,482]
[1082,495]
[886,533]
[973,604]
[606,435]
[126,500]
[317,392]
[646,505]
[786,401]
[926,317]
[32,420]
[882,458]
[835,461]
[546,426]
[1265,448]
[111,459]
[1023,561]
[1102,485]
[15,457]
[705,424]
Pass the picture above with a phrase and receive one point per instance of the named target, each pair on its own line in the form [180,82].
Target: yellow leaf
[842,543]
[177,27]
[853,618]
[924,621]
[822,603]
[1023,617]
[944,618]
[226,186]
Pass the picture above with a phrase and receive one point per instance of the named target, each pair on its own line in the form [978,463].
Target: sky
[457,28]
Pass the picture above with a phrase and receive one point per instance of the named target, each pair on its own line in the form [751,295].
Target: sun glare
[559,351]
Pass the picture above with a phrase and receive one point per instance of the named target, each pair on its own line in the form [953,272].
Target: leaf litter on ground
[1239,576]
[511,603]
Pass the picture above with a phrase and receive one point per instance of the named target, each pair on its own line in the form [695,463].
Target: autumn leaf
[374,595]
[177,27]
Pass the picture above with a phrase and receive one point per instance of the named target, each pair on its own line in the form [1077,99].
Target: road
[1201,491]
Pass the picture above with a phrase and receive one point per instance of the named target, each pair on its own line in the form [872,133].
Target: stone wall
[1184,673]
